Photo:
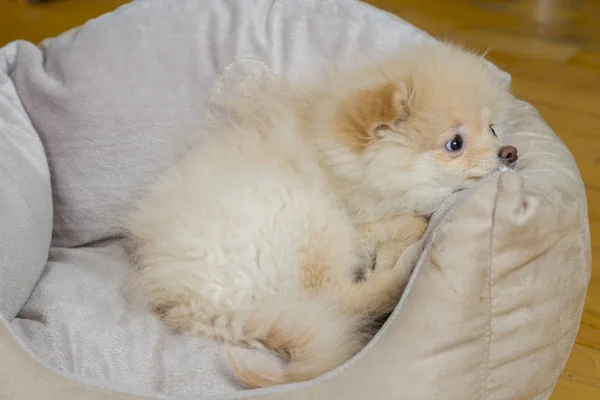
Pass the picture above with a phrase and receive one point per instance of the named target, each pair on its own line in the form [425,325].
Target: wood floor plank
[582,101]
[518,45]
[440,28]
[587,59]
[567,122]
[584,365]
[35,22]
[557,73]
[569,389]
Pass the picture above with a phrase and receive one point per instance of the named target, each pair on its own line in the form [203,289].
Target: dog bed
[88,118]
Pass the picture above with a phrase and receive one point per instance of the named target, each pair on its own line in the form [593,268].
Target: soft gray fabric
[25,197]
[77,320]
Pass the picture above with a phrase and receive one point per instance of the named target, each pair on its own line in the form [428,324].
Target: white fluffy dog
[298,224]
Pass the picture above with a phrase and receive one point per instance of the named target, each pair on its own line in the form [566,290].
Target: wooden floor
[552,49]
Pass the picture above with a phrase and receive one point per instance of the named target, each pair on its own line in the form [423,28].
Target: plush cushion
[492,308]
[25,198]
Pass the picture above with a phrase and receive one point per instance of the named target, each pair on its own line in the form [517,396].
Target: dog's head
[425,127]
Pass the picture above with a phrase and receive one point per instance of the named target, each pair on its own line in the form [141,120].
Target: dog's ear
[370,112]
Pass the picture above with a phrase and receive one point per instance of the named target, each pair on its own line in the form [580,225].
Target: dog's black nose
[508,154]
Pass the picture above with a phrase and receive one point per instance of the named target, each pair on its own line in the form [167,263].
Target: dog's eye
[455,144]
[491,129]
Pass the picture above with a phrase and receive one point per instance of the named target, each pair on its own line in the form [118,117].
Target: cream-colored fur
[257,237]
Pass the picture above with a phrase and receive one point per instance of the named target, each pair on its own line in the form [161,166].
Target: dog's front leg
[397,234]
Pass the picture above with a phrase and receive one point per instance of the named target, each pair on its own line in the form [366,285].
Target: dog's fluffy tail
[313,333]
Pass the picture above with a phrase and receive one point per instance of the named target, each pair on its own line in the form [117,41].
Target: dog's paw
[387,257]
[408,259]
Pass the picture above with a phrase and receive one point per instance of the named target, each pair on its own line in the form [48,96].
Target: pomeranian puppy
[298,225]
